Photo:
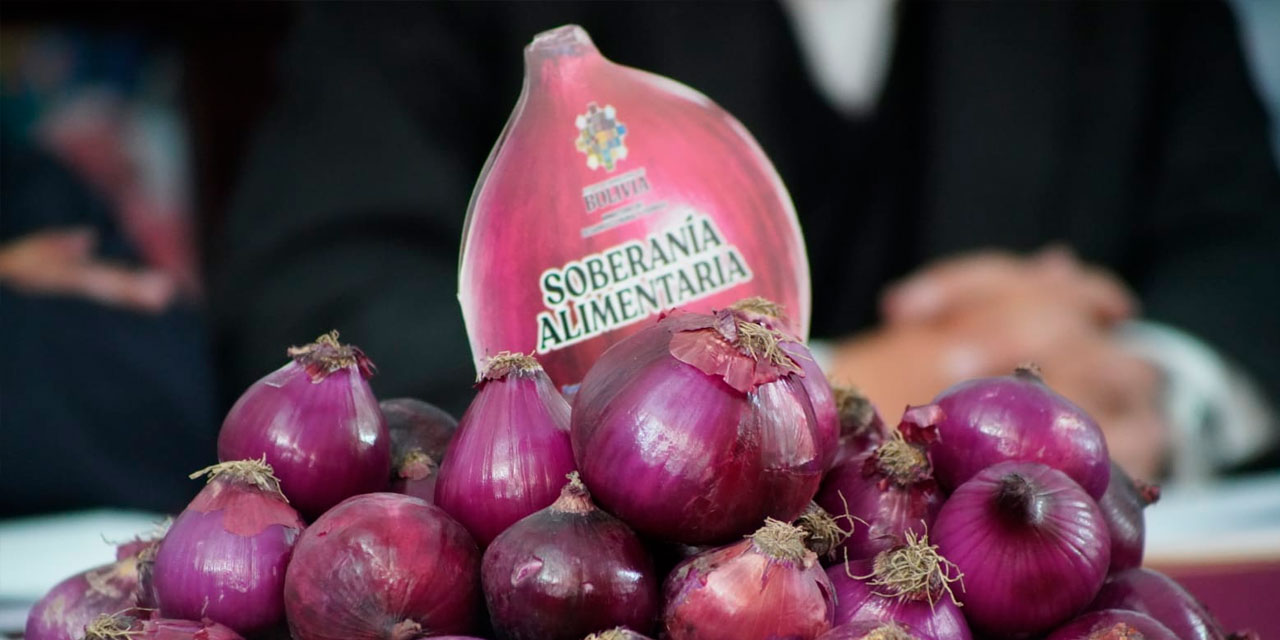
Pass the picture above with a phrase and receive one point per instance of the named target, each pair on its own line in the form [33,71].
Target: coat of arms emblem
[600,136]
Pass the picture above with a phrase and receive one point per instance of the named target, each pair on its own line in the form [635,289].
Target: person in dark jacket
[1083,184]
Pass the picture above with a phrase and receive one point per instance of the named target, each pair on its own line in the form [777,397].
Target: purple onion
[766,586]
[511,453]
[619,633]
[1113,624]
[420,436]
[909,584]
[73,603]
[1032,546]
[1122,507]
[873,630]
[224,557]
[890,488]
[318,424]
[696,429]
[119,626]
[566,571]
[861,427]
[1018,417]
[1157,595]
[382,566]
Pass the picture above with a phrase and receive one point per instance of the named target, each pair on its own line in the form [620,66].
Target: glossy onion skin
[1122,508]
[856,602]
[1159,596]
[509,457]
[557,575]
[377,560]
[326,440]
[737,592]
[1086,624]
[680,455]
[991,420]
[71,604]
[1023,577]
[224,558]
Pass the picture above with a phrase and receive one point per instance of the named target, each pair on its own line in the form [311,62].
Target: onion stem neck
[1016,499]
[759,306]
[854,409]
[1028,371]
[763,344]
[405,630]
[902,461]
[255,473]
[822,532]
[780,541]
[1117,631]
[889,631]
[109,626]
[326,355]
[507,364]
[574,497]
[416,465]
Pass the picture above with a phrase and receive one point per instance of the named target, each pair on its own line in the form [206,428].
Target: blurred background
[187,189]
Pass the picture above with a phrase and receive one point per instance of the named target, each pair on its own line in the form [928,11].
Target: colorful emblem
[600,137]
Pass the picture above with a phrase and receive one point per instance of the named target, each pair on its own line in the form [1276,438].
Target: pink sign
[613,195]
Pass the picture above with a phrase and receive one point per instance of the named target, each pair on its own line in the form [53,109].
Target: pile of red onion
[707,482]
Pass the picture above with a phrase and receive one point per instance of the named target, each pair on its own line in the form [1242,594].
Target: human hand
[61,262]
[971,280]
[984,314]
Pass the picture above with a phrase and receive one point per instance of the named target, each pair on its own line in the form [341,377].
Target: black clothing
[1128,131]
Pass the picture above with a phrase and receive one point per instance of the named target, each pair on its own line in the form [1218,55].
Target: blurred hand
[984,314]
[61,262]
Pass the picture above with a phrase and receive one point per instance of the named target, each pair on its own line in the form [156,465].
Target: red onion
[1157,595]
[1113,624]
[64,611]
[570,247]
[861,427]
[224,557]
[420,435]
[890,488]
[1122,506]
[1017,417]
[382,566]
[766,586]
[1032,544]
[566,571]
[699,427]
[124,627]
[872,630]
[318,424]
[619,633]
[909,584]
[511,453]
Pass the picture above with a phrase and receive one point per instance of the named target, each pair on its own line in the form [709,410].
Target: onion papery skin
[859,602]
[566,571]
[742,592]
[1017,417]
[511,453]
[224,557]
[382,566]
[527,214]
[687,456]
[117,627]
[1159,596]
[1032,545]
[1113,624]
[1122,507]
[321,431]
[874,630]
[890,498]
[420,436]
[71,604]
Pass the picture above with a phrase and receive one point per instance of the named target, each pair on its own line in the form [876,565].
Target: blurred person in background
[107,396]
[1084,185]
